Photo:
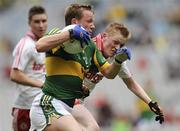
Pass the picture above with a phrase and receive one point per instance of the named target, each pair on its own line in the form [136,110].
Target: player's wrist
[151,103]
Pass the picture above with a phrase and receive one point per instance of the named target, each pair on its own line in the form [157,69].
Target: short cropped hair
[117,28]
[75,11]
[34,11]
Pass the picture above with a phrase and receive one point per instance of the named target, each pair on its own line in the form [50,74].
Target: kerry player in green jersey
[51,110]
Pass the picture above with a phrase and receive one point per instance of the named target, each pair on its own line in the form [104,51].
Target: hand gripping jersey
[93,77]
[28,60]
[65,72]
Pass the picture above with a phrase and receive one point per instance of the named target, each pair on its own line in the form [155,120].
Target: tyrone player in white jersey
[28,69]
[113,39]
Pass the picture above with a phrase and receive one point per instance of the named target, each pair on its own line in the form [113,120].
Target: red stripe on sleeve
[19,52]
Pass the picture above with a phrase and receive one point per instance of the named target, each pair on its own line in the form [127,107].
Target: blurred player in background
[28,68]
[115,37]
[51,110]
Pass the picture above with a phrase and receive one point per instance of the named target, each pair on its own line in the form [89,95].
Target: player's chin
[111,54]
[90,32]
[41,34]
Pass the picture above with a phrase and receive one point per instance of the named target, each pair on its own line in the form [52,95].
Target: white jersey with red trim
[92,79]
[28,60]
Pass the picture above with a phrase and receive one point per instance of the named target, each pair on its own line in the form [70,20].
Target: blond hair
[116,28]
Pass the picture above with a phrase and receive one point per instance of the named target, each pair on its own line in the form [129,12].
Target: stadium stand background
[155,63]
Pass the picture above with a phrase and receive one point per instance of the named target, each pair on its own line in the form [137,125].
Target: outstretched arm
[136,89]
[139,91]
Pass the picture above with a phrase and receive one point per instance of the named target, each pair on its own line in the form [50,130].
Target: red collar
[99,42]
[32,35]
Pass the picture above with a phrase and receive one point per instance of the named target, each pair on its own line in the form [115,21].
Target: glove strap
[70,33]
[117,62]
[154,107]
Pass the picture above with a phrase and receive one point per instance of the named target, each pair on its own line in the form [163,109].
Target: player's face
[111,43]
[87,21]
[38,24]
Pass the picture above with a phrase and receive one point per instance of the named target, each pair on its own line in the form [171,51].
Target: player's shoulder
[29,42]
[53,31]
[25,42]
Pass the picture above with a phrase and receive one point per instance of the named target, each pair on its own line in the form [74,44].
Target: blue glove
[122,54]
[80,34]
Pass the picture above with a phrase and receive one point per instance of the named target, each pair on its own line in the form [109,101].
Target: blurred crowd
[155,43]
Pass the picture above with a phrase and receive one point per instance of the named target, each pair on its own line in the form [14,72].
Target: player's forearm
[49,42]
[21,78]
[137,89]
[111,71]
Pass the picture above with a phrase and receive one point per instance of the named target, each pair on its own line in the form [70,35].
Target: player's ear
[74,21]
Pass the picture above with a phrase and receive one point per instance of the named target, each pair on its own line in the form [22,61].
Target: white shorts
[45,107]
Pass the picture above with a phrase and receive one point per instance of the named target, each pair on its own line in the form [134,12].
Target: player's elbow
[13,79]
[110,76]
[15,75]
[39,47]
[12,76]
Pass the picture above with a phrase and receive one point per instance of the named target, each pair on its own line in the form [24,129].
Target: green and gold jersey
[65,72]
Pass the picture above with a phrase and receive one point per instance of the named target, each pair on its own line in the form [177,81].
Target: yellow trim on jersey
[104,66]
[54,31]
[101,68]
[95,60]
[59,66]
[55,49]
